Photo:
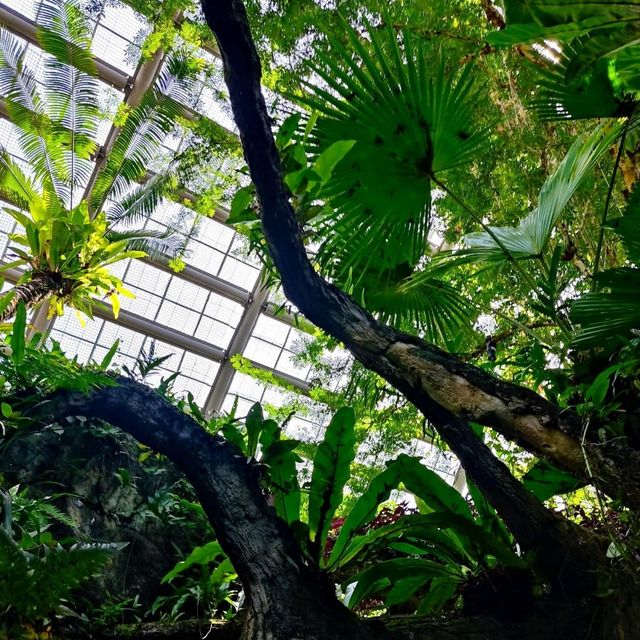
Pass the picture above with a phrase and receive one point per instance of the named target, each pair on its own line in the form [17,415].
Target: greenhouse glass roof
[215,307]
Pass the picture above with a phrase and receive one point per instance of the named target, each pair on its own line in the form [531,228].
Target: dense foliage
[467,173]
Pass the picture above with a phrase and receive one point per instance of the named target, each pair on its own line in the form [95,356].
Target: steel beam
[28,29]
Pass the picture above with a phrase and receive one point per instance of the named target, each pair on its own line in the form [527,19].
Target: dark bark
[446,390]
[32,293]
[286,597]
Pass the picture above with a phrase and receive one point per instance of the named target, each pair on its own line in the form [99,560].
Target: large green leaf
[365,507]
[253,425]
[390,572]
[409,121]
[331,470]
[545,480]
[279,457]
[437,529]
[416,478]
[204,555]
[431,488]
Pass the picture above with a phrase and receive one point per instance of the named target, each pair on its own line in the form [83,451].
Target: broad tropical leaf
[426,484]
[331,470]
[384,574]
[545,480]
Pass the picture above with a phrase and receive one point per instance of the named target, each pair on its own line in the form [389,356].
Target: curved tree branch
[446,390]
[286,597]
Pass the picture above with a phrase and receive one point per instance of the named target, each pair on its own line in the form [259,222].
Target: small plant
[38,573]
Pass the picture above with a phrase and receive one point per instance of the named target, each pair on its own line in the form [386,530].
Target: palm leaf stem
[605,213]
[528,279]
[523,327]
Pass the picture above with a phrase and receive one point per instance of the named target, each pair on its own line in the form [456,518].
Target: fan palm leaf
[614,310]
[610,313]
[409,123]
[424,300]
[598,74]
[530,238]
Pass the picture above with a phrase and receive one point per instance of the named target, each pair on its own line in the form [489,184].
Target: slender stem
[523,327]
[529,280]
[605,213]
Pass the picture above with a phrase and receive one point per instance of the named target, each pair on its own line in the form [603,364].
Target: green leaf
[108,357]
[253,424]
[204,555]
[431,488]
[6,409]
[545,480]
[331,470]
[436,529]
[365,508]
[17,333]
[326,162]
[390,572]
[240,206]
[441,590]
[530,238]
[408,120]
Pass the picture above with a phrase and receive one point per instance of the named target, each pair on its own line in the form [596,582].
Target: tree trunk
[440,385]
[32,293]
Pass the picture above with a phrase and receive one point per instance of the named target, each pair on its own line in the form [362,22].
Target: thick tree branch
[421,369]
[448,391]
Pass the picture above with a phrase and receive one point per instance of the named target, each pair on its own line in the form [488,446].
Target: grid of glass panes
[164,298]
[275,344]
[92,339]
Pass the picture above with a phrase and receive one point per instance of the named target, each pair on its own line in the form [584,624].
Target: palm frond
[427,302]
[409,122]
[565,94]
[27,111]
[141,201]
[529,239]
[156,244]
[627,226]
[140,137]
[612,313]
[71,85]
[15,186]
